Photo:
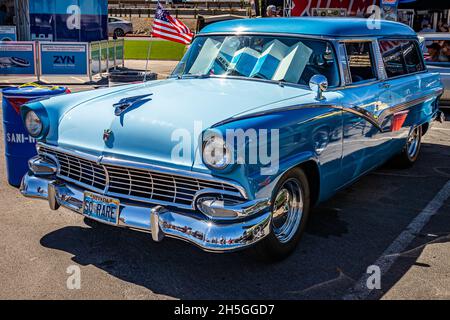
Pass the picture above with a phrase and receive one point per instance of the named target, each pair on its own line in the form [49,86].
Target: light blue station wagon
[332,98]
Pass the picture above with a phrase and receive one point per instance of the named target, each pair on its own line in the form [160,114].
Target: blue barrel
[19,145]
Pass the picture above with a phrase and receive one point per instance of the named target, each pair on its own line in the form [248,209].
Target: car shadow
[344,236]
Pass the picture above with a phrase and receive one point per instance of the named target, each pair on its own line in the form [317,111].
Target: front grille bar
[132,183]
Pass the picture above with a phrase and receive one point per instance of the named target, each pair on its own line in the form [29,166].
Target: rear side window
[360,61]
[401,57]
[393,58]
[413,61]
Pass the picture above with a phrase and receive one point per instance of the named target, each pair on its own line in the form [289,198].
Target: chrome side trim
[377,121]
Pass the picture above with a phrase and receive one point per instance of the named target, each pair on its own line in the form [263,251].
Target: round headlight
[33,124]
[216,153]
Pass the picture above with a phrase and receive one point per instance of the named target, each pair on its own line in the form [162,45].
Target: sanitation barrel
[19,145]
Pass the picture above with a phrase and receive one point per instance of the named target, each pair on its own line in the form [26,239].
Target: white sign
[8,33]
[64,48]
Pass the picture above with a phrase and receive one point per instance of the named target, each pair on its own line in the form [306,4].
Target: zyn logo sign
[65,60]
[74,20]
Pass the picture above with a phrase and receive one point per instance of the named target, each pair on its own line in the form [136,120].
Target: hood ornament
[106,134]
[126,103]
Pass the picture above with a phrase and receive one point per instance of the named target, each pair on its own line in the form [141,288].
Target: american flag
[172,29]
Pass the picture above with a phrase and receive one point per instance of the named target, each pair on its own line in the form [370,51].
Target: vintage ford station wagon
[327,100]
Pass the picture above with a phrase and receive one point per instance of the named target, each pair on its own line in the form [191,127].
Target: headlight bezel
[227,153]
[41,113]
[36,119]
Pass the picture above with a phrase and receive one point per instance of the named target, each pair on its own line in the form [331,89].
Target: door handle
[385,85]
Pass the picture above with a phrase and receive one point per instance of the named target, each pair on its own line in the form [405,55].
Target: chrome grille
[141,184]
[78,169]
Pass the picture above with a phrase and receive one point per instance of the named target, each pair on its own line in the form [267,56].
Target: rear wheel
[290,209]
[119,32]
[410,152]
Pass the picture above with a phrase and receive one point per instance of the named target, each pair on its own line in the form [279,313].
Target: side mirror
[319,84]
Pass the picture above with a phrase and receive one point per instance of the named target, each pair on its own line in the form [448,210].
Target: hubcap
[287,210]
[412,144]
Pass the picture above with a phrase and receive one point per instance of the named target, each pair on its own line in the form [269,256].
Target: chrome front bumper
[209,235]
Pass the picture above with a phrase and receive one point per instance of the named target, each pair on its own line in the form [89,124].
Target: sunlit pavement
[344,237]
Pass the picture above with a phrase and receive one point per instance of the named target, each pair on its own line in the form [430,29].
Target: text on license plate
[100,207]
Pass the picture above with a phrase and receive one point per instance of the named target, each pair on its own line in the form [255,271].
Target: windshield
[287,59]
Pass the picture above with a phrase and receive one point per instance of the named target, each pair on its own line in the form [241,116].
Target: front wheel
[411,150]
[290,209]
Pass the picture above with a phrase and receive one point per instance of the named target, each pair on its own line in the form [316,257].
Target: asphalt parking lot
[359,227]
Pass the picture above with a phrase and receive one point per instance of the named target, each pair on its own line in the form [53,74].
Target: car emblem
[106,134]
[126,103]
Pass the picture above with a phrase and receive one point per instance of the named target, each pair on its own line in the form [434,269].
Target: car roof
[435,35]
[327,27]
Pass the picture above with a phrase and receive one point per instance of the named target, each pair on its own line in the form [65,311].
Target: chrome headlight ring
[33,123]
[216,154]
[35,119]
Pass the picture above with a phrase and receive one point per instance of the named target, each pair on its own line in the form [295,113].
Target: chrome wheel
[287,210]
[413,143]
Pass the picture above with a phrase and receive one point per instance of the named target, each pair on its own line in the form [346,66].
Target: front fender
[264,185]
[305,134]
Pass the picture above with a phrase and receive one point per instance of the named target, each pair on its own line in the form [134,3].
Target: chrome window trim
[406,74]
[375,62]
[102,160]
[331,40]
[382,75]
[272,34]
[381,69]
[344,64]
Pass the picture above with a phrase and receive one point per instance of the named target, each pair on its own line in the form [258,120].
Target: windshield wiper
[193,76]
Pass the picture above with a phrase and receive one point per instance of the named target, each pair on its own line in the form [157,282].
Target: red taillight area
[398,120]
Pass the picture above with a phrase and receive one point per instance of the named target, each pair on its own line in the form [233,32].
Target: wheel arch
[311,169]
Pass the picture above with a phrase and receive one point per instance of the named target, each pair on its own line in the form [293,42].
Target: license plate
[101,208]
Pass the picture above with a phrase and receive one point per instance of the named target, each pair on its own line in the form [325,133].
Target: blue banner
[64,58]
[17,58]
[8,33]
[69,20]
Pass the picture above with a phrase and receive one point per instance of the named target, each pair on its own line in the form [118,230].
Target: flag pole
[148,56]
[149,48]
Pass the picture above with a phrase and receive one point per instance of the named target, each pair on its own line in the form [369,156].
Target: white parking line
[390,255]
[78,79]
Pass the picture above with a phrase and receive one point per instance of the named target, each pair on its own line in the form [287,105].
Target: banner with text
[69,20]
[17,58]
[352,7]
[64,58]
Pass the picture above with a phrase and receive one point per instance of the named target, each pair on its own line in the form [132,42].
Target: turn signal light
[398,120]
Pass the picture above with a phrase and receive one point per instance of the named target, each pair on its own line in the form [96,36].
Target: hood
[175,110]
